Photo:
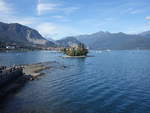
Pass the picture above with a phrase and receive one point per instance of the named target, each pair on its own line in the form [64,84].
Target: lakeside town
[14,46]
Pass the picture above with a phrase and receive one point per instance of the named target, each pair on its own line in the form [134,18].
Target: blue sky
[59,18]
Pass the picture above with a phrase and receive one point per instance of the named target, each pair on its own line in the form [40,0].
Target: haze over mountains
[23,35]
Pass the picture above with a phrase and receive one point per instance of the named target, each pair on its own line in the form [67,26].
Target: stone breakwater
[9,74]
[12,78]
[35,70]
[8,79]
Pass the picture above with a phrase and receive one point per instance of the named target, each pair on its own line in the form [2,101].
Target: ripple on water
[99,84]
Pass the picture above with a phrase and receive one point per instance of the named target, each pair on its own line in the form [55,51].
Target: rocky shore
[20,75]
[35,70]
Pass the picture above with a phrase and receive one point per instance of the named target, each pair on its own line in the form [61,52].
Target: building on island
[76,50]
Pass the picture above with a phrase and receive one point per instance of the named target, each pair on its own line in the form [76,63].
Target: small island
[76,50]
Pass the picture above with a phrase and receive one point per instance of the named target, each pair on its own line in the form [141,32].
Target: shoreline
[29,72]
[35,70]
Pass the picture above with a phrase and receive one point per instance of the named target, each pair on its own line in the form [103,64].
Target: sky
[60,18]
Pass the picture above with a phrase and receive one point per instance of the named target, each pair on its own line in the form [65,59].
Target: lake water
[109,82]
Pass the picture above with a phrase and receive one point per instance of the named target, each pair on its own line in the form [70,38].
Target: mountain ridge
[115,41]
[25,36]
[107,40]
[22,35]
[67,41]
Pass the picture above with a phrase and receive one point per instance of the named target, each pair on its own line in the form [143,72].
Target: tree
[78,50]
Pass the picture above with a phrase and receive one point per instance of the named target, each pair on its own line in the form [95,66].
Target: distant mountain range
[115,41]
[68,41]
[107,40]
[22,35]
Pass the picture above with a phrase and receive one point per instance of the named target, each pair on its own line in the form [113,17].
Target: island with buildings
[75,50]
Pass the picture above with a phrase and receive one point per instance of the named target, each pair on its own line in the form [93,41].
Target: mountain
[27,37]
[145,34]
[68,41]
[22,35]
[116,41]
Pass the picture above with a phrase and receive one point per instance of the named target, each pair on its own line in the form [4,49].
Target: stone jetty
[8,74]
[8,79]
[12,78]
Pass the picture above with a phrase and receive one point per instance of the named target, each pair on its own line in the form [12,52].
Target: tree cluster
[79,50]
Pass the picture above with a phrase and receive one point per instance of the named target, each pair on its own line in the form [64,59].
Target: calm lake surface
[109,82]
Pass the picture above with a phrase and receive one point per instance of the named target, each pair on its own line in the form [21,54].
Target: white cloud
[147,18]
[134,11]
[8,14]
[58,17]
[50,7]
[61,18]
[55,31]
[4,7]
[69,10]
[46,7]
[15,19]
[47,29]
